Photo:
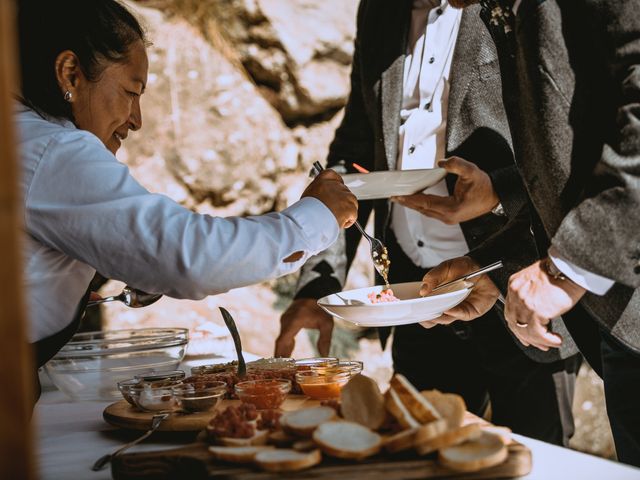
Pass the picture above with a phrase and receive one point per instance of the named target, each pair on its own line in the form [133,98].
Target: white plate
[374,185]
[354,306]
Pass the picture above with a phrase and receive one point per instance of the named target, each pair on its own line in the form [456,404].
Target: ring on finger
[521,325]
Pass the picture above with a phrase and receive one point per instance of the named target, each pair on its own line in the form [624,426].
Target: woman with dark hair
[83,69]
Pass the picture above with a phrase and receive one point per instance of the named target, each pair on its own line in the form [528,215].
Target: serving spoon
[131,297]
[233,329]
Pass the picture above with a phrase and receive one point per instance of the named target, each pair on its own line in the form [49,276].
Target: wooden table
[72,435]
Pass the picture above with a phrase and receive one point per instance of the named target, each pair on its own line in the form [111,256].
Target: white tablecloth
[72,435]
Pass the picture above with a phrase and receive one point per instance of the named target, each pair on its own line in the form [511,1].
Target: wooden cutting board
[121,414]
[194,462]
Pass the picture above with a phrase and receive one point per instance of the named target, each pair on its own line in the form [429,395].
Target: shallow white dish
[354,306]
[374,185]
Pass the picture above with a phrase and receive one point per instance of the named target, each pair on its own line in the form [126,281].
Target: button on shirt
[432,39]
[84,212]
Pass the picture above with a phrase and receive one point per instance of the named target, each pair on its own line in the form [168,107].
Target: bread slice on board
[401,441]
[362,402]
[347,440]
[284,460]
[419,407]
[485,451]
[398,410]
[449,439]
[303,422]
[237,454]
[258,438]
[449,405]
[431,430]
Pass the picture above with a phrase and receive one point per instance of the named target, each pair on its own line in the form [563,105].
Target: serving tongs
[475,273]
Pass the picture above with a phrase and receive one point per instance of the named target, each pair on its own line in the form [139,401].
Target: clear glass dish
[91,364]
[265,394]
[322,385]
[191,398]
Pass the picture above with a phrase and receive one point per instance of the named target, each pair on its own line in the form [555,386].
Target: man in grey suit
[571,87]
[424,86]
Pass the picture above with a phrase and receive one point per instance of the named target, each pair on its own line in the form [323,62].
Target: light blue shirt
[83,212]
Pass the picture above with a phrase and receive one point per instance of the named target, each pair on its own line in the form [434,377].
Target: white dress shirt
[432,38]
[84,212]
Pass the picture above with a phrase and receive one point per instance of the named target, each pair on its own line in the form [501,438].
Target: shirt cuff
[316,221]
[590,281]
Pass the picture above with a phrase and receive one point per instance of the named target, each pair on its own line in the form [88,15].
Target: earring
[67,96]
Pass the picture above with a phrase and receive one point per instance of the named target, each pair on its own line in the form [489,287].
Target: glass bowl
[191,398]
[155,398]
[92,363]
[308,363]
[161,377]
[353,367]
[130,388]
[265,394]
[322,385]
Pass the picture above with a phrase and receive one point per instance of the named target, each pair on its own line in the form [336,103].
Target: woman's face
[110,106]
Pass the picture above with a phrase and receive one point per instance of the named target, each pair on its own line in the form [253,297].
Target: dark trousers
[480,361]
[619,369]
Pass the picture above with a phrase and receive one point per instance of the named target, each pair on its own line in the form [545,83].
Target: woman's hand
[473,195]
[329,188]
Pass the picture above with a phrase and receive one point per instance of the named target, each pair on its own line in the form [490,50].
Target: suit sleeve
[510,189]
[326,272]
[600,235]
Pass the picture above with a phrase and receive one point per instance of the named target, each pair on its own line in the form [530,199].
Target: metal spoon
[155,423]
[233,329]
[131,297]
[379,253]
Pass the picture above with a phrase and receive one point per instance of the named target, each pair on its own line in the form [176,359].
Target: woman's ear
[68,73]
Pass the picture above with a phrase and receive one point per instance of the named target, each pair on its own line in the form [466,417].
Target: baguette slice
[401,441]
[449,439]
[237,454]
[284,460]
[485,451]
[503,432]
[362,402]
[259,438]
[303,422]
[347,440]
[397,409]
[280,439]
[419,407]
[449,405]
[429,431]
[305,445]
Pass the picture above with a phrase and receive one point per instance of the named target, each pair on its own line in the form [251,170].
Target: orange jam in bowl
[265,394]
[353,367]
[320,385]
[309,363]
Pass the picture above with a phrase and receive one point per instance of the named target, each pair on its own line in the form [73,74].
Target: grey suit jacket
[572,91]
[477,130]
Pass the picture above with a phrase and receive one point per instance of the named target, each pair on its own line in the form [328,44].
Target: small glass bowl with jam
[353,367]
[199,398]
[322,385]
[267,394]
[315,362]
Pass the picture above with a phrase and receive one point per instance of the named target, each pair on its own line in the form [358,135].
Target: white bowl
[384,184]
[354,306]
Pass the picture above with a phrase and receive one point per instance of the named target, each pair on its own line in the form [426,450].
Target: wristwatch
[553,271]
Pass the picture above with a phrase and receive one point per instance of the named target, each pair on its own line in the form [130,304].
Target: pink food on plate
[385,296]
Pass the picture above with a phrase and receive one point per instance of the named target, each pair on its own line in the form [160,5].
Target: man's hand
[480,300]
[329,188]
[533,300]
[303,313]
[473,195]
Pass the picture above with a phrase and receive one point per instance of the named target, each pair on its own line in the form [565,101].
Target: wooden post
[16,371]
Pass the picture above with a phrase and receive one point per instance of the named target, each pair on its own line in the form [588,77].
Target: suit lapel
[397,22]
[464,64]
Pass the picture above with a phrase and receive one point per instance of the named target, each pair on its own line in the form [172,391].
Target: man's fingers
[284,347]
[458,166]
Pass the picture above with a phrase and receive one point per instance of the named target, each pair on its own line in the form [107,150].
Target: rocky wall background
[243,96]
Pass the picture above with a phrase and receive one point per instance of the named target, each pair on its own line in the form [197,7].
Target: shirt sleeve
[85,203]
[589,281]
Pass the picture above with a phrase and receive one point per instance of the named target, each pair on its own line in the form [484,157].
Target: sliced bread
[419,407]
[362,402]
[285,460]
[401,441]
[347,440]
[449,439]
[431,430]
[449,405]
[485,451]
[397,409]
[258,438]
[237,454]
[303,422]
